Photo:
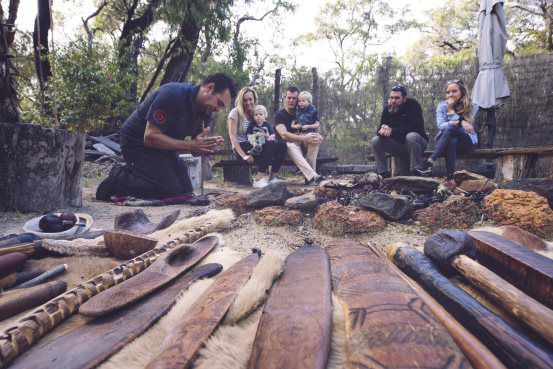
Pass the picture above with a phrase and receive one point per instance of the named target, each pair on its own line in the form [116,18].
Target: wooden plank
[527,270]
[387,323]
[497,152]
[166,268]
[107,142]
[101,337]
[185,339]
[236,162]
[515,166]
[296,325]
[515,349]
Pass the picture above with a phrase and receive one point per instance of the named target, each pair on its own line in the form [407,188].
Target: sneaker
[260,183]
[108,186]
[275,180]
[318,179]
[424,168]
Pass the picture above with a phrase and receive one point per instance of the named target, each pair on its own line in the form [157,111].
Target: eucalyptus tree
[9,111]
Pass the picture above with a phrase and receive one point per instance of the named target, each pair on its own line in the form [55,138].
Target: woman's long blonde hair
[463,106]
[240,101]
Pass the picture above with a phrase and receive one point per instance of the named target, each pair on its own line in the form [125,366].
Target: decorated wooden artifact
[25,332]
[126,244]
[11,262]
[166,268]
[116,329]
[512,347]
[15,302]
[525,269]
[450,249]
[181,345]
[296,325]
[387,323]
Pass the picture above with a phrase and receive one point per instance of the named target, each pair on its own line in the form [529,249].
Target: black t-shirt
[171,109]
[407,119]
[283,117]
[253,125]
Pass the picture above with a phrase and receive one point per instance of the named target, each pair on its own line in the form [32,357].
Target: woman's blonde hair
[260,108]
[240,100]
[463,106]
[306,95]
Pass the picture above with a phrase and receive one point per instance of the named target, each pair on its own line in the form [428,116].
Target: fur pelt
[338,357]
[256,290]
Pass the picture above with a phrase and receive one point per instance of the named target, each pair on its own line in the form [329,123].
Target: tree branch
[89,33]
[250,18]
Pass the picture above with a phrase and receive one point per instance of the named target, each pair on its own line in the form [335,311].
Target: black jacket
[407,119]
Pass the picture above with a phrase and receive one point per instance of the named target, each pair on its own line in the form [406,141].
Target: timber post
[315,87]
[276,101]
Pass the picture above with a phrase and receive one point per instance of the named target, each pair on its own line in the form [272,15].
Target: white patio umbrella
[491,88]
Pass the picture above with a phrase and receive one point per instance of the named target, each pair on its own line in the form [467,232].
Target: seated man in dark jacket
[400,132]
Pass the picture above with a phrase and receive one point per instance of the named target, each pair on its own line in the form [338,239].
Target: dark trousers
[272,155]
[153,174]
[452,142]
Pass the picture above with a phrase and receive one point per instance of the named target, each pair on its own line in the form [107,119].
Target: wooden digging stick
[29,329]
[447,250]
[387,323]
[14,302]
[525,269]
[509,345]
[296,325]
[479,355]
[26,248]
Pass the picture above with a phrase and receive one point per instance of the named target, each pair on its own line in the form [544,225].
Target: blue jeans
[453,141]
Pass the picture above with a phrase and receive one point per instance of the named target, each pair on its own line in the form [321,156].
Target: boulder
[278,216]
[390,207]
[477,185]
[413,184]
[337,219]
[236,202]
[526,210]
[541,186]
[523,238]
[325,192]
[455,212]
[464,175]
[273,194]
[303,202]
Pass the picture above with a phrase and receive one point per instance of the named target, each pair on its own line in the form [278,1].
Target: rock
[390,207]
[303,202]
[367,179]
[300,191]
[325,192]
[413,184]
[541,186]
[526,210]
[455,212]
[273,194]
[523,238]
[236,202]
[337,219]
[278,216]
[464,175]
[477,185]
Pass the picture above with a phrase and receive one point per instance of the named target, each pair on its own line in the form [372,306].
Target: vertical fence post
[276,101]
[315,87]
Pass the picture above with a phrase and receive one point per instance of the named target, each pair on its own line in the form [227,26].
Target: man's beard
[392,108]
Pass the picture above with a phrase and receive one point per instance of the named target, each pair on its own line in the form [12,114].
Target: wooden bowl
[126,245]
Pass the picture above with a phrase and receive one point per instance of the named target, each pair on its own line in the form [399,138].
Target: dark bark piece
[166,268]
[15,302]
[443,247]
[11,262]
[512,347]
[414,184]
[136,221]
[112,332]
[185,339]
[390,207]
[525,269]
[43,170]
[296,325]
[387,323]
[273,194]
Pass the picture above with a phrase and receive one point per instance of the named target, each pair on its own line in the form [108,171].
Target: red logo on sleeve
[159,116]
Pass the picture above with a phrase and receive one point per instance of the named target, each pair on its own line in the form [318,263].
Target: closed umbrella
[491,89]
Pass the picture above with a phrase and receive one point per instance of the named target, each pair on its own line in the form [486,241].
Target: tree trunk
[40,42]
[9,102]
[41,168]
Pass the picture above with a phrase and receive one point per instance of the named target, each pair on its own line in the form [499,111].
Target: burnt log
[40,168]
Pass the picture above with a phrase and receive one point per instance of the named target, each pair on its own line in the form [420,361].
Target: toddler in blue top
[307,119]
[259,131]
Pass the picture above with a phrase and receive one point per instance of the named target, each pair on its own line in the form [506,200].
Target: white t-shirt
[240,126]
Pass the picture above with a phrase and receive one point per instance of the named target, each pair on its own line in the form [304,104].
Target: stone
[390,207]
[370,179]
[541,186]
[456,212]
[303,202]
[464,175]
[337,219]
[477,185]
[526,210]
[273,194]
[299,191]
[278,216]
[236,202]
[523,238]
[325,192]
[413,184]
